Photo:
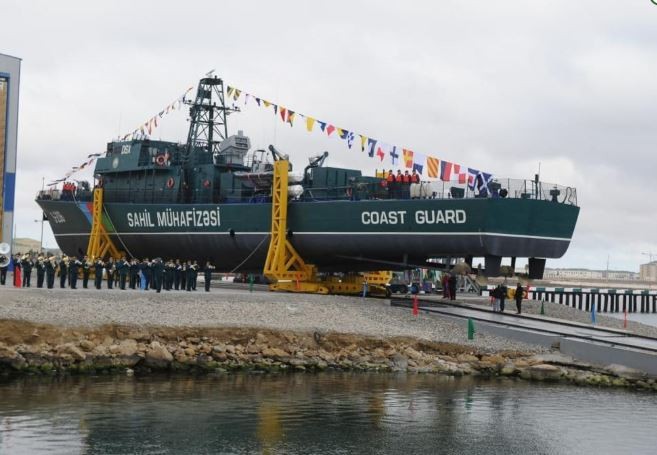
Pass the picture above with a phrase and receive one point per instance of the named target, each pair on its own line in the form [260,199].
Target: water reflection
[326,413]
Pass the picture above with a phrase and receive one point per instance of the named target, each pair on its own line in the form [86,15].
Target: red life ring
[160,160]
[170,182]
[206,183]
[384,183]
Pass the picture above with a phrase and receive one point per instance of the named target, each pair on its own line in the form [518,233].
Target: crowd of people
[123,273]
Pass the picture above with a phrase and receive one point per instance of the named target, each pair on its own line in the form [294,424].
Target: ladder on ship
[100,243]
[287,270]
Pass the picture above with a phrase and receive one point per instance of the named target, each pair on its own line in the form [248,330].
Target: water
[328,413]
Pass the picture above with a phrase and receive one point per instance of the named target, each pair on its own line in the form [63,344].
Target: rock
[399,362]
[508,369]
[129,372]
[158,356]
[9,356]
[625,372]
[467,358]
[219,348]
[72,350]
[253,349]
[544,372]
[275,353]
[261,338]
[87,345]
[493,359]
[413,354]
[190,352]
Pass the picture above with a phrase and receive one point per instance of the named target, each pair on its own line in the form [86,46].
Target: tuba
[5,258]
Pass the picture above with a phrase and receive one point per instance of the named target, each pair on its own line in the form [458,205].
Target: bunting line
[428,166]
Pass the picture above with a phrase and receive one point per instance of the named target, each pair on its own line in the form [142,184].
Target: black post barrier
[616,303]
[624,303]
[561,298]
[580,301]
[587,304]
[605,308]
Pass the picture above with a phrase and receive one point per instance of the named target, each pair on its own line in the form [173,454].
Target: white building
[10,71]
[648,272]
[586,274]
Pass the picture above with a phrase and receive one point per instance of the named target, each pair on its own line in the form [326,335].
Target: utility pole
[650,255]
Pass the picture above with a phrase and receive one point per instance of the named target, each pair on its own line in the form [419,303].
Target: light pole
[41,241]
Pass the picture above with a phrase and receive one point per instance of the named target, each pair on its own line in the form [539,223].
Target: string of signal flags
[143,131]
[397,157]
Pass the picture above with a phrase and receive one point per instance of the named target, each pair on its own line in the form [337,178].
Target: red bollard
[416,309]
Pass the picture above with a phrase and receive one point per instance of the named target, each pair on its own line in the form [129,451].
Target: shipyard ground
[61,330]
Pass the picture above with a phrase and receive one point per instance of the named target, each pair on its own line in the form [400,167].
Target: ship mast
[208,112]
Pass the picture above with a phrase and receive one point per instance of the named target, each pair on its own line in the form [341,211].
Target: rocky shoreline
[31,349]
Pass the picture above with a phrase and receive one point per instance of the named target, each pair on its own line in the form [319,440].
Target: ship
[210,198]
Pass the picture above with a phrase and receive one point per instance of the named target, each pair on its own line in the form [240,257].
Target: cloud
[499,86]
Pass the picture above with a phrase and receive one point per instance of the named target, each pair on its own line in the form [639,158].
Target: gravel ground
[558,311]
[237,308]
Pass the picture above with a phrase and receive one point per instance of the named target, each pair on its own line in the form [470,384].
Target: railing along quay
[605,300]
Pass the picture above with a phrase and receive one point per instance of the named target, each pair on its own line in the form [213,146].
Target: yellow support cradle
[100,243]
[287,270]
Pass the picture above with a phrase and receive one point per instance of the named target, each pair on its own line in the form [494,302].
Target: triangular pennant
[275,108]
[363,141]
[329,130]
[257,100]
[282,111]
[322,125]
[290,117]
[266,103]
[310,122]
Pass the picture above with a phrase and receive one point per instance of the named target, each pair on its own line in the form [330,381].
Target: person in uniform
[74,266]
[195,269]
[41,270]
[123,267]
[51,265]
[183,275]
[145,269]
[390,183]
[63,271]
[98,272]
[3,269]
[27,263]
[86,271]
[177,272]
[18,281]
[168,274]
[110,268]
[189,275]
[207,272]
[134,273]
[157,274]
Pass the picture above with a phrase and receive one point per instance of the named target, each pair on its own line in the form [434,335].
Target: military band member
[134,273]
[51,266]
[98,272]
[145,269]
[195,270]
[63,271]
[110,268]
[123,267]
[74,266]
[27,263]
[86,271]
[183,275]
[158,273]
[3,269]
[41,270]
[207,271]
[18,281]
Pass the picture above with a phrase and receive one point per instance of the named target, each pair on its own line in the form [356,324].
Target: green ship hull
[339,235]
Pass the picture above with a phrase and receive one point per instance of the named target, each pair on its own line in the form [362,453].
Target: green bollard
[542,307]
[250,282]
[471,329]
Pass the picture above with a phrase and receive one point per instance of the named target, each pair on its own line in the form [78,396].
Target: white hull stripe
[491,234]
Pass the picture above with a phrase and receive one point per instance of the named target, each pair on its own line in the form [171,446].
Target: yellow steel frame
[100,243]
[287,270]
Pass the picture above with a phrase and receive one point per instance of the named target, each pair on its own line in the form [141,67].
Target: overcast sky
[500,86]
